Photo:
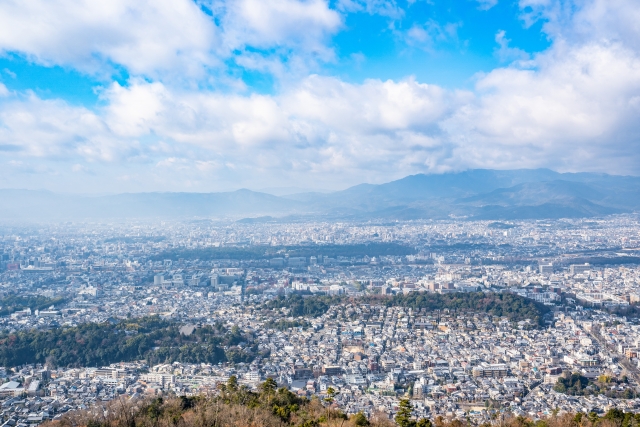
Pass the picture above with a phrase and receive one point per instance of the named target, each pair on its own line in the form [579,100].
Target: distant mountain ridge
[473,194]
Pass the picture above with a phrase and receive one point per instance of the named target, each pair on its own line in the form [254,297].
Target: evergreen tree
[269,387]
[403,417]
[360,420]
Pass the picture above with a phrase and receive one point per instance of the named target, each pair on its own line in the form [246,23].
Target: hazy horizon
[283,191]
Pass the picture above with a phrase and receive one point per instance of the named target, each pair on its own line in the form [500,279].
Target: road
[630,369]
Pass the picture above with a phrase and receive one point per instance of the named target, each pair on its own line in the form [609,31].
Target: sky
[217,95]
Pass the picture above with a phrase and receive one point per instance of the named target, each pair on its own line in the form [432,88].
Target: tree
[614,414]
[331,394]
[360,420]
[560,387]
[232,383]
[269,387]
[403,417]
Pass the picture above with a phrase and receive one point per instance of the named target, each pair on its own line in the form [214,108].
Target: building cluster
[464,365]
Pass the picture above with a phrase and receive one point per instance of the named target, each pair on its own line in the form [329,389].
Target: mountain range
[473,194]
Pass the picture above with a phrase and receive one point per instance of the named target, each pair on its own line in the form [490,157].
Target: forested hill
[150,338]
[514,307]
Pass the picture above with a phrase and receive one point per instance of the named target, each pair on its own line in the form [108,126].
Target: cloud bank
[572,107]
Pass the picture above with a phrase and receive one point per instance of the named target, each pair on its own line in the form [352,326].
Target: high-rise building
[546,268]
[579,268]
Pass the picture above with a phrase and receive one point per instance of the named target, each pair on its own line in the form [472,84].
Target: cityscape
[464,318]
[319,213]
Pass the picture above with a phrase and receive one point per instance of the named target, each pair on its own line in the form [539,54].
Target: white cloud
[78,168]
[291,23]
[580,21]
[133,110]
[53,130]
[576,109]
[506,53]
[388,8]
[146,37]
[372,107]
[572,107]
[207,119]
[165,39]
[323,125]
[431,33]
[284,38]
[570,112]
[486,4]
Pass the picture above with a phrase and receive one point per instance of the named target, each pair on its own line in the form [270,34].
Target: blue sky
[447,59]
[214,95]
[368,46]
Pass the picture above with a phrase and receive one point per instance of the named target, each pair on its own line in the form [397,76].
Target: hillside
[153,339]
[474,194]
[270,406]
[514,307]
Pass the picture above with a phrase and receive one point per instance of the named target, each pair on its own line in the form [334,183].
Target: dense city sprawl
[466,319]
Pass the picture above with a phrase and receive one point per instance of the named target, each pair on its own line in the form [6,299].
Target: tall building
[579,268]
[546,268]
